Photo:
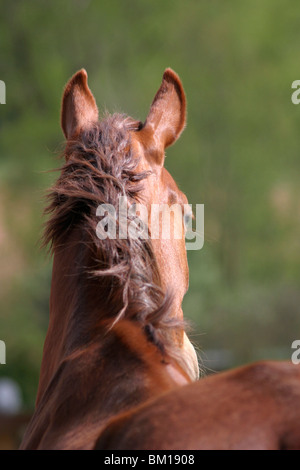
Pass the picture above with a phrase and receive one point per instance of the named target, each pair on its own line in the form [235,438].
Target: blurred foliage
[239,155]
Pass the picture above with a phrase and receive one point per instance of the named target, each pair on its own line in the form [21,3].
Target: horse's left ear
[166,118]
[79,109]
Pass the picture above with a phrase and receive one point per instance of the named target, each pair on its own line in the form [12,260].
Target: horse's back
[230,410]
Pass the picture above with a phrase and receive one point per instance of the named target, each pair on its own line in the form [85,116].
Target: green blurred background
[239,155]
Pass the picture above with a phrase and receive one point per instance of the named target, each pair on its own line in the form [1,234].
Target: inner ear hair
[166,118]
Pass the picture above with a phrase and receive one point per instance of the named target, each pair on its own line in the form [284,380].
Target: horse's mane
[100,167]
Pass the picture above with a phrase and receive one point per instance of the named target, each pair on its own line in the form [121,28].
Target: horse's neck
[67,321]
[62,303]
[88,379]
[73,320]
[117,372]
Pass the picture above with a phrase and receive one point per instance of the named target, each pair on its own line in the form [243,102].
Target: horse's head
[148,141]
[163,126]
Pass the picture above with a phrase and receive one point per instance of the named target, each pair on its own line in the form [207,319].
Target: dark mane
[100,167]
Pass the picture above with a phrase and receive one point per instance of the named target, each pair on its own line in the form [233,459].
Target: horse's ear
[167,116]
[79,109]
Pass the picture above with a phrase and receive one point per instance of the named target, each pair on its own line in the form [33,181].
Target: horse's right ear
[166,118]
[79,109]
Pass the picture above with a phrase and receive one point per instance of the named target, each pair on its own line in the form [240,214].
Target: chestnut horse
[118,370]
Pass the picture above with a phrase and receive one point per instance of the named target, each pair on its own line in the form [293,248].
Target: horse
[118,370]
